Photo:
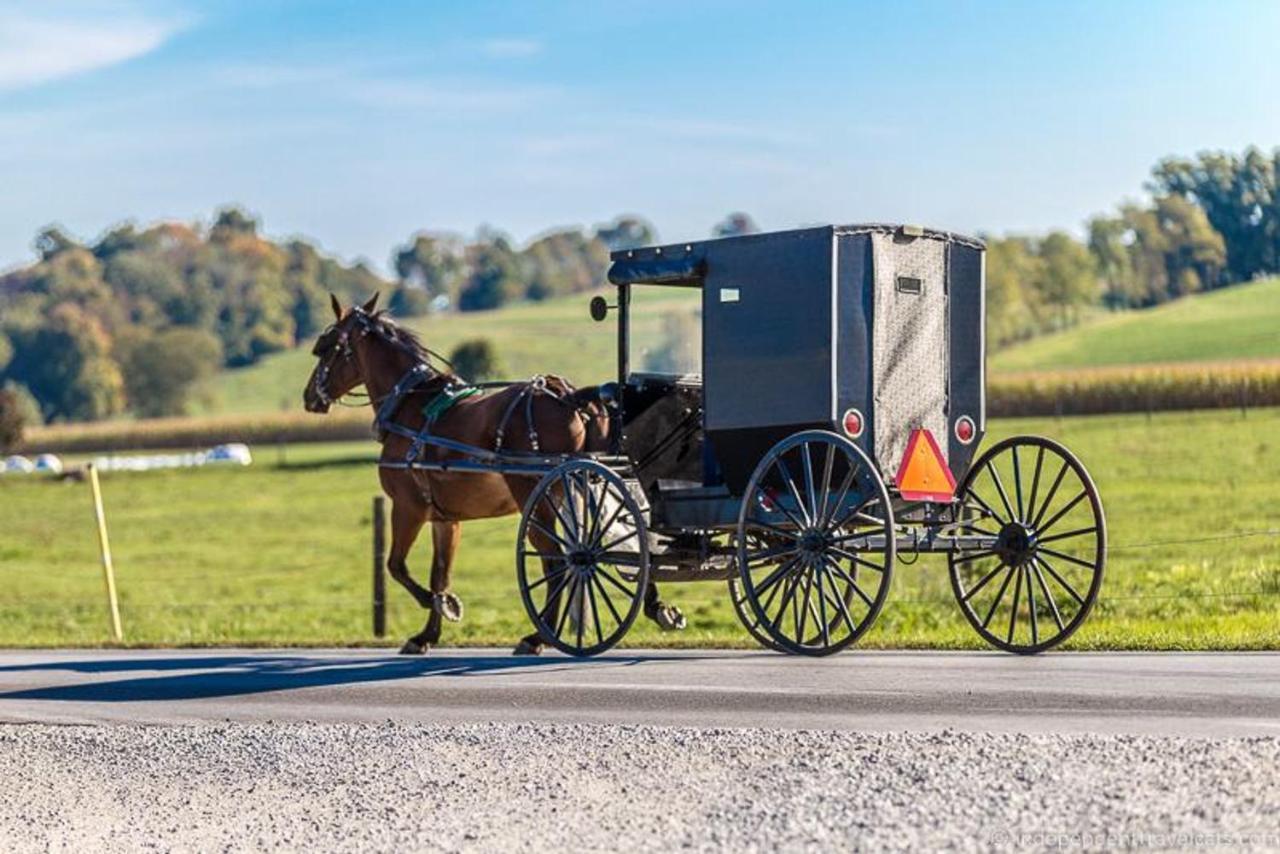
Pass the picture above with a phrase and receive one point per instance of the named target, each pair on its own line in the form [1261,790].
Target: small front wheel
[582,558]
[816,544]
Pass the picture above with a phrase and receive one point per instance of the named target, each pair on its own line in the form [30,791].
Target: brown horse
[364,347]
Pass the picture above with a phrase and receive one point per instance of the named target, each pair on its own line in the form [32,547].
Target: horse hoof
[448,606]
[411,648]
[670,618]
[525,647]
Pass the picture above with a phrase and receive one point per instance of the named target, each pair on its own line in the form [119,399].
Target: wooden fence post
[379,566]
[104,547]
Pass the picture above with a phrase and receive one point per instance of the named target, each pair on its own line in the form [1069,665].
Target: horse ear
[368,307]
[337,306]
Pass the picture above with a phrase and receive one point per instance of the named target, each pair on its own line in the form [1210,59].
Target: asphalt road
[1196,694]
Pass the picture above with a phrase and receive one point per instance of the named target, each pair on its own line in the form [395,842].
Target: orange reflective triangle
[923,474]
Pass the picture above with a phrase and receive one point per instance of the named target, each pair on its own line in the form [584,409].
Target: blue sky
[355,124]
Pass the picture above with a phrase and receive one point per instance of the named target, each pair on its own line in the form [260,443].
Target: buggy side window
[666,330]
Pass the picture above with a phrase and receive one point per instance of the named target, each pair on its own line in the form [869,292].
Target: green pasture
[279,553]
[1240,322]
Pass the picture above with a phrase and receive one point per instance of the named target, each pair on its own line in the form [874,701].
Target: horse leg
[534,643]
[406,522]
[444,543]
[668,617]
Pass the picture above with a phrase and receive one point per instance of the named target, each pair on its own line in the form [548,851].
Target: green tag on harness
[444,401]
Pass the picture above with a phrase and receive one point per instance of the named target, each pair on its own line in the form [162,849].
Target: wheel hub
[813,542]
[1016,543]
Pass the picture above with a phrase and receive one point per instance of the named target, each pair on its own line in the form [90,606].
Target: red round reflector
[852,423]
[965,429]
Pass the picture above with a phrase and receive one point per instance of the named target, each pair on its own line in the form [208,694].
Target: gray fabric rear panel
[909,361]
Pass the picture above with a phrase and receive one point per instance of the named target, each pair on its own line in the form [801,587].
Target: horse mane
[408,341]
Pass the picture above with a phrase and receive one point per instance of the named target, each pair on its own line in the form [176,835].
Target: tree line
[136,319]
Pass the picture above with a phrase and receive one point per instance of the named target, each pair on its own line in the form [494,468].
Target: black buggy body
[833,428]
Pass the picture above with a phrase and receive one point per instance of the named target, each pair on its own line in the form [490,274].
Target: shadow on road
[224,676]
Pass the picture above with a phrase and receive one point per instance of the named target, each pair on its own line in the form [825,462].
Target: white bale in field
[235,453]
[18,465]
[49,463]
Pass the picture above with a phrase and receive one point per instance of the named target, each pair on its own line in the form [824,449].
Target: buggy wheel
[1036,585]
[815,544]
[582,558]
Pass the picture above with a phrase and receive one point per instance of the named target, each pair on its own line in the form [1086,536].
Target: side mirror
[599,308]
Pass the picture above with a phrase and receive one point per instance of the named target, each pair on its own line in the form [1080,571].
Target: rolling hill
[1240,322]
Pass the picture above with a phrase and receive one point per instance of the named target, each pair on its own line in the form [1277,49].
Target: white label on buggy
[729,295]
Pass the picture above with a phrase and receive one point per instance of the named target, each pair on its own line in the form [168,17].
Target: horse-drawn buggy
[832,434]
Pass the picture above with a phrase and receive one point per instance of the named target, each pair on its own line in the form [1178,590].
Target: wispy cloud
[511,48]
[40,43]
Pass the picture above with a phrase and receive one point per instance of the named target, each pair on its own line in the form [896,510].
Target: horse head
[337,369]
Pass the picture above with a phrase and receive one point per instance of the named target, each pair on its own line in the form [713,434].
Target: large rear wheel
[1035,586]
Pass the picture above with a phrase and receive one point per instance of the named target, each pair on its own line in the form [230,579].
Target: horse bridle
[344,346]
[341,347]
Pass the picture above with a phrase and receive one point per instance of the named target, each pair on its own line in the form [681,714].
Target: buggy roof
[684,264]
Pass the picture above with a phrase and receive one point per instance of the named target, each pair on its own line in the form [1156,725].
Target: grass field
[1239,322]
[279,552]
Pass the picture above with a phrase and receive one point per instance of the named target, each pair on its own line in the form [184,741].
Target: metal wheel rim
[817,497]
[603,584]
[1043,510]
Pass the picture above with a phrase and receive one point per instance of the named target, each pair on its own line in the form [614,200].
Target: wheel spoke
[604,529]
[595,613]
[999,597]
[1079,532]
[1044,588]
[776,575]
[1056,516]
[835,567]
[795,492]
[1017,481]
[788,596]
[605,574]
[1031,605]
[571,499]
[773,529]
[564,615]
[853,556]
[810,490]
[1035,480]
[592,508]
[632,533]
[843,491]
[548,576]
[547,532]
[770,554]
[806,575]
[564,523]
[828,463]
[553,598]
[822,605]
[983,583]
[1068,558]
[604,594]
[581,605]
[620,558]
[1013,612]
[1048,499]
[1004,496]
[1058,578]
[837,598]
